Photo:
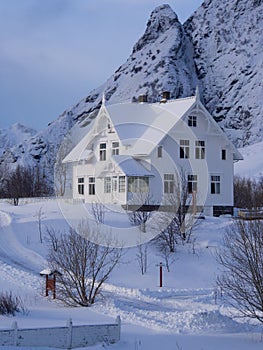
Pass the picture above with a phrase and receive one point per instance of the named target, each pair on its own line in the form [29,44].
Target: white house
[134,149]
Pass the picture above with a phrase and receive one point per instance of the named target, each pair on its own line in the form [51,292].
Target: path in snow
[172,311]
[18,265]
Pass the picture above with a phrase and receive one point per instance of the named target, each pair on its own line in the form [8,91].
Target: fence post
[69,335]
[118,321]
[15,335]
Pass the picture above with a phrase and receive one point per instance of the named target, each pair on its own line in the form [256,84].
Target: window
[81,185]
[114,184]
[122,184]
[159,151]
[168,183]
[115,148]
[192,121]
[107,185]
[103,151]
[215,184]
[223,154]
[192,183]
[199,149]
[184,148]
[91,185]
[138,184]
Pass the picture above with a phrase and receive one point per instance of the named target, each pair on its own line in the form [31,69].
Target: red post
[46,285]
[161,275]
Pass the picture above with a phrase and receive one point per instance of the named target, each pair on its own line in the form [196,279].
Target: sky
[54,52]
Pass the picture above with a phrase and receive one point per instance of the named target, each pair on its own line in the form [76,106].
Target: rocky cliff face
[219,48]
[228,54]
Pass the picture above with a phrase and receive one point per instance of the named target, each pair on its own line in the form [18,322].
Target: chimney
[165,96]
[142,98]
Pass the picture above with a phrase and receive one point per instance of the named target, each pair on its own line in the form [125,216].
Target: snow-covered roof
[140,125]
[143,125]
[131,166]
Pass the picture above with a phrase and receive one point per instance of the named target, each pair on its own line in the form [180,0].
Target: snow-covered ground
[252,165]
[187,313]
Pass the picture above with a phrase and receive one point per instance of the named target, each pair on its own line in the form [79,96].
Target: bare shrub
[242,260]
[178,221]
[142,257]
[98,212]
[141,215]
[11,304]
[84,265]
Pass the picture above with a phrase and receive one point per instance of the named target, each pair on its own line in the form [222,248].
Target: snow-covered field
[187,313]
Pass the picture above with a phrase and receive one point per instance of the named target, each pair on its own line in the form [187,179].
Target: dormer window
[192,121]
[110,129]
[103,151]
[115,148]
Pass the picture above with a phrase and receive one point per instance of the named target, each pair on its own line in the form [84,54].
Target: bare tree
[84,265]
[242,260]
[142,257]
[141,214]
[53,237]
[248,193]
[40,216]
[165,253]
[60,168]
[24,182]
[179,218]
[98,212]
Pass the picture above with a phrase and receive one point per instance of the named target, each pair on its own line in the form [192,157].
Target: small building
[135,151]
[50,281]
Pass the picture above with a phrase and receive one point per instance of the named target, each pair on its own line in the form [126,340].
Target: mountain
[218,48]
[228,54]
[15,135]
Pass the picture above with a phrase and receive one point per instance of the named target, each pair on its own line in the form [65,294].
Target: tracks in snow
[171,311]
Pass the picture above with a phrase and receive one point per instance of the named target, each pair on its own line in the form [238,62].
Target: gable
[140,127]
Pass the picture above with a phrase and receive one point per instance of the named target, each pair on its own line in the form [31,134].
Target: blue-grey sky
[54,52]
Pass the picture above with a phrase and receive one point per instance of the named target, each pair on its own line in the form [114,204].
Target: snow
[14,135]
[130,166]
[188,312]
[252,166]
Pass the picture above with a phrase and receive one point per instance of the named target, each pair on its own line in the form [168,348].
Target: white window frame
[192,121]
[138,184]
[107,184]
[103,149]
[184,149]
[81,185]
[215,184]
[223,154]
[199,149]
[192,183]
[92,189]
[122,184]
[115,148]
[168,183]
[159,151]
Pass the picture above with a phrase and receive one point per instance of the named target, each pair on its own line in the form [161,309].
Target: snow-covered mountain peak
[161,20]
[14,135]
[228,50]
[219,48]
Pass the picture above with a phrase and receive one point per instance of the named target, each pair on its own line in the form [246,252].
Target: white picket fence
[68,337]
